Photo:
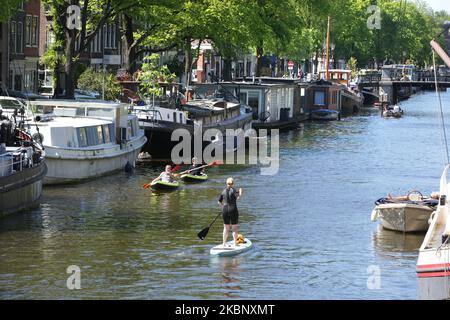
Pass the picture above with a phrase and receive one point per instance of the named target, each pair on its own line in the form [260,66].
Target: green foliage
[91,80]
[151,75]
[353,65]
[9,8]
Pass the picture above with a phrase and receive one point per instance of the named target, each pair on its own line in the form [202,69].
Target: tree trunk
[188,62]
[69,68]
[227,69]
[129,49]
[316,62]
[259,54]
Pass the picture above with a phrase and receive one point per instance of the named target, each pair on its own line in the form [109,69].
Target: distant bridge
[397,89]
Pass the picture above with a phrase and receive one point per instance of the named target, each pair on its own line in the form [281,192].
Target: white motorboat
[393,112]
[407,215]
[84,140]
[433,265]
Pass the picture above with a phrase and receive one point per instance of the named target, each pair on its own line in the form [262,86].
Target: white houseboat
[84,140]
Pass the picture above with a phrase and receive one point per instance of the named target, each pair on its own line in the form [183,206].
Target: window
[28,30]
[249,69]
[319,98]
[112,132]
[253,102]
[92,136]
[100,135]
[19,48]
[30,80]
[110,36]
[10,80]
[34,31]
[82,137]
[243,97]
[96,43]
[13,37]
[18,82]
[106,135]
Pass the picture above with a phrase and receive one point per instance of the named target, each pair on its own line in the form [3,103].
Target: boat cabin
[339,76]
[323,95]
[69,124]
[273,102]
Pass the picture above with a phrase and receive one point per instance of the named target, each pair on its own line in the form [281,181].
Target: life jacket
[240,239]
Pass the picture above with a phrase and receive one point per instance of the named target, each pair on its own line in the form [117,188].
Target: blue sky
[439,4]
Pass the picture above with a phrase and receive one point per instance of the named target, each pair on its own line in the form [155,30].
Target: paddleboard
[230,249]
[159,185]
[193,178]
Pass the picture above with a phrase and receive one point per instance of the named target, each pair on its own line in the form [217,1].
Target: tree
[94,14]
[91,80]
[9,7]
[152,75]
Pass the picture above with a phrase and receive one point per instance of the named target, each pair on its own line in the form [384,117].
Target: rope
[444,134]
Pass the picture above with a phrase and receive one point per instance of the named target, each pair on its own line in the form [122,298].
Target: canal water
[310,223]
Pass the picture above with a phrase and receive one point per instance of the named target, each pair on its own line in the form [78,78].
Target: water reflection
[229,269]
[388,242]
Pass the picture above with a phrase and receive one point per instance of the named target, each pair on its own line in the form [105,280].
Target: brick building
[23,53]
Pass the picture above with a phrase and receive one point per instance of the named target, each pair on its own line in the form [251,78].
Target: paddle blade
[202,234]
[216,163]
[146,186]
[176,168]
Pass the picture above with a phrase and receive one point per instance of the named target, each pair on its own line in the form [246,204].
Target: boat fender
[128,167]
[431,217]
[374,215]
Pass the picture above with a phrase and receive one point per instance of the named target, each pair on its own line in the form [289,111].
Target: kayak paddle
[202,234]
[214,163]
[148,185]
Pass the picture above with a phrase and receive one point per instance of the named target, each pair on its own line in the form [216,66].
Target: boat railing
[12,162]
[152,111]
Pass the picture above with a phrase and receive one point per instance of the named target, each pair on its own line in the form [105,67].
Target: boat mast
[327,74]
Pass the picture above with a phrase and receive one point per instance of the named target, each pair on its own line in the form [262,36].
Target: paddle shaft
[215,219]
[206,165]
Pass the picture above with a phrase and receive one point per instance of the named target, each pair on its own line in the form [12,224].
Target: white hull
[433,265]
[74,165]
[403,217]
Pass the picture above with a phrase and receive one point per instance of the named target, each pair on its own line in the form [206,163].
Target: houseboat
[323,99]
[209,107]
[276,103]
[351,99]
[84,140]
[22,168]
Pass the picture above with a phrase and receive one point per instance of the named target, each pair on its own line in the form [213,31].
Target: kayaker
[166,176]
[195,164]
[230,214]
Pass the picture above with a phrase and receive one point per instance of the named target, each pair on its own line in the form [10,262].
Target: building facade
[23,47]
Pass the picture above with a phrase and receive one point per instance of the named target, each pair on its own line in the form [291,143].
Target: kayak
[193,178]
[230,249]
[160,185]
